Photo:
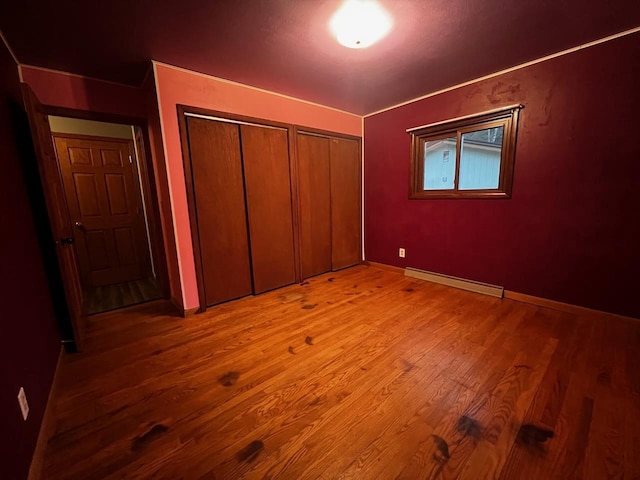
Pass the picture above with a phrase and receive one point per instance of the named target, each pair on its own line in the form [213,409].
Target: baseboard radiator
[464,284]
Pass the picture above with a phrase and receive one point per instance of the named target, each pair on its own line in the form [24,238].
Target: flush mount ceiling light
[360,23]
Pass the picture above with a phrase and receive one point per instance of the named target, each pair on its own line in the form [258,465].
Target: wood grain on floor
[386,377]
[119,295]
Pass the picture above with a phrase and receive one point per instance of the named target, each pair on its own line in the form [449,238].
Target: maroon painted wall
[30,341]
[571,231]
[69,91]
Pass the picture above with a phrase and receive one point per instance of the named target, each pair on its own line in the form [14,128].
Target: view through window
[467,157]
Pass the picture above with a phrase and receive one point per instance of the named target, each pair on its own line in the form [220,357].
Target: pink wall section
[177,86]
[570,232]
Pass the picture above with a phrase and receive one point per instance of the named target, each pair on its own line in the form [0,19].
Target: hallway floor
[112,297]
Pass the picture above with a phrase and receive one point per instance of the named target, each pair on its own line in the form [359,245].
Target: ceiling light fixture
[360,23]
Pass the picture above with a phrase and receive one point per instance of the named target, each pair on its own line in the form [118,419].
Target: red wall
[571,231]
[30,341]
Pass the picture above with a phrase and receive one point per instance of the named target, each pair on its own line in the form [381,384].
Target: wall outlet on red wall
[22,401]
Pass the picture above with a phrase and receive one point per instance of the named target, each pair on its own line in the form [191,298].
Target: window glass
[480,153]
[440,164]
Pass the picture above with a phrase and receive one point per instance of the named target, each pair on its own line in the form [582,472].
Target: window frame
[507,117]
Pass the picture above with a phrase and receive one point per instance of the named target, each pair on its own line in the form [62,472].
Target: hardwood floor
[361,373]
[120,295]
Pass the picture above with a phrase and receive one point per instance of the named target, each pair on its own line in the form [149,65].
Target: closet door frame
[182,110]
[297,129]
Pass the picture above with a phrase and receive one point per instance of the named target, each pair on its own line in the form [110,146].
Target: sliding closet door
[216,165]
[314,185]
[265,152]
[345,203]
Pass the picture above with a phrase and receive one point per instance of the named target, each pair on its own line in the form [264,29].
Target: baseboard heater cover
[463,283]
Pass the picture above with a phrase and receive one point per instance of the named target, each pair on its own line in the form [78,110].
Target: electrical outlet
[22,401]
[401,252]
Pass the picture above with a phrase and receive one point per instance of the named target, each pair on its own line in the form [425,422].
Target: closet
[242,192]
[269,204]
[329,193]
[314,183]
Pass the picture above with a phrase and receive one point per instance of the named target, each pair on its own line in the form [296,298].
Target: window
[469,157]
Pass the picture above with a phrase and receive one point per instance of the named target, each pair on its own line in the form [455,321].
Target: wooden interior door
[265,153]
[59,219]
[217,178]
[314,192]
[345,203]
[103,193]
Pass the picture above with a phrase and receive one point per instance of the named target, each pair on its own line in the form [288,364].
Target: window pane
[440,164]
[480,159]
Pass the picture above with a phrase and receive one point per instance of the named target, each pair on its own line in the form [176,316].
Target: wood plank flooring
[120,295]
[361,374]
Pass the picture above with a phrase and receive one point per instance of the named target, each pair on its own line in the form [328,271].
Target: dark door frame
[147,174]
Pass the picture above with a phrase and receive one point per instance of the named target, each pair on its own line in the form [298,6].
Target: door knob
[80,226]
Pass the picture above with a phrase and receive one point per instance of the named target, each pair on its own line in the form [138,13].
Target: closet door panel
[216,164]
[314,191]
[345,203]
[265,154]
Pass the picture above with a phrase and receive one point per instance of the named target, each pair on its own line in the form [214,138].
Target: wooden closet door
[265,153]
[345,203]
[314,186]
[216,167]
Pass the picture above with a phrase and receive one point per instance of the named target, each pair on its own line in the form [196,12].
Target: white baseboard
[464,284]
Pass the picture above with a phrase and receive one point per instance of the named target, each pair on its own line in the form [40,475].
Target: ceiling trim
[511,69]
[231,82]
[407,102]
[61,72]
[6,43]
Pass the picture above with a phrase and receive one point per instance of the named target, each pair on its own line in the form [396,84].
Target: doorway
[108,204]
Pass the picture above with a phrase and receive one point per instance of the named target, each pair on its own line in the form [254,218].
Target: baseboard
[518,297]
[47,427]
[462,283]
[180,310]
[384,266]
[564,307]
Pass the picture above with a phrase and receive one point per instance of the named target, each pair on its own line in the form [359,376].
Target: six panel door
[57,211]
[103,194]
